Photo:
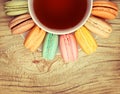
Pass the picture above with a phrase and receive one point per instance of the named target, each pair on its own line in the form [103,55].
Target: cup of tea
[60,16]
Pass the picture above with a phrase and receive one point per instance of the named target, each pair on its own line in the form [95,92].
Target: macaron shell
[30,36]
[17,12]
[38,41]
[105,4]
[98,26]
[16,9]
[63,49]
[23,27]
[16,3]
[50,46]
[21,17]
[74,47]
[68,47]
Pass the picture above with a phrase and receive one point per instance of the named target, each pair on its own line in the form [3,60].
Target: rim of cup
[60,31]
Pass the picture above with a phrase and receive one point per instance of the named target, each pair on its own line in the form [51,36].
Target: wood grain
[23,72]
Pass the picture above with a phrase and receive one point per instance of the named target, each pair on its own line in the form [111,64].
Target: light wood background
[23,72]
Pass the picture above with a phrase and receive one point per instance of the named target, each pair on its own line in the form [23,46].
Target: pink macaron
[68,47]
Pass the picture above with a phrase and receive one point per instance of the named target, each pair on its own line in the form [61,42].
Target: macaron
[105,9]
[98,26]
[34,38]
[68,47]
[50,46]
[86,40]
[16,7]
[21,24]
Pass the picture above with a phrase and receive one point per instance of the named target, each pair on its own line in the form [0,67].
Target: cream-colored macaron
[98,26]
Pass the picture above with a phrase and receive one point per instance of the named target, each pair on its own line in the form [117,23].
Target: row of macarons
[67,43]
[101,8]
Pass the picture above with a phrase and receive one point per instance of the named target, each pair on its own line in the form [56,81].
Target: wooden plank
[98,73]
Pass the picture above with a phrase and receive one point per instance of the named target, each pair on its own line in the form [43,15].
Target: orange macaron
[34,38]
[21,24]
[105,9]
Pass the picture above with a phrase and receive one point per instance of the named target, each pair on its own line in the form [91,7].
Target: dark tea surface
[60,14]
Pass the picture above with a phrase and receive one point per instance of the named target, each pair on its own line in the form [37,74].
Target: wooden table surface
[23,72]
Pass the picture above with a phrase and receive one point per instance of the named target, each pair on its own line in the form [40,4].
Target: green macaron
[14,8]
[50,46]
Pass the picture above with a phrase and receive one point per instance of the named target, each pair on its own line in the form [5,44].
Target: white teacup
[60,31]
